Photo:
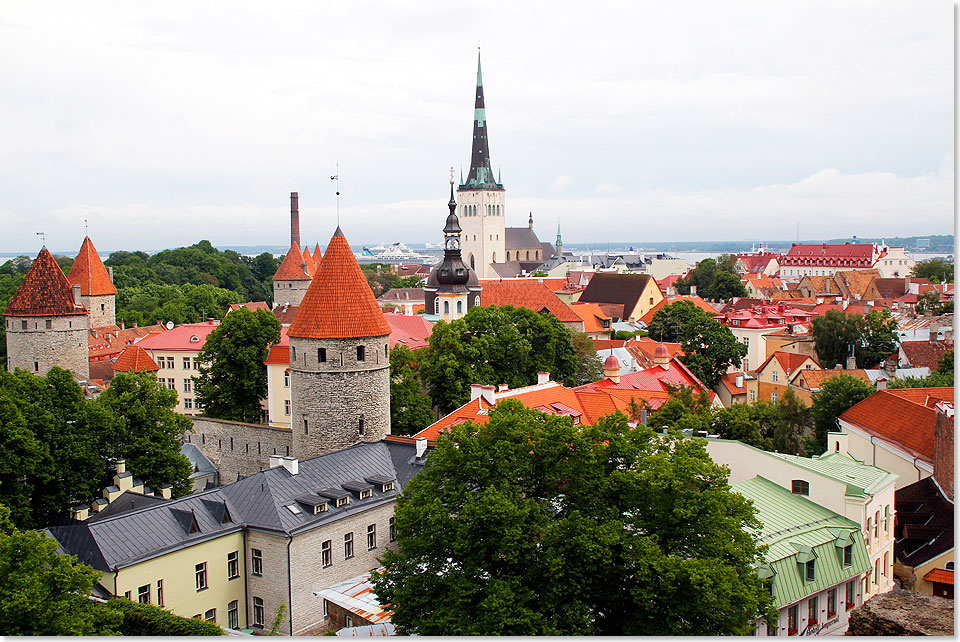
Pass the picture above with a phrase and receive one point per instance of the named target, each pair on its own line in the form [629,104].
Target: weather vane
[43,237]
[451,174]
[86,226]
[336,177]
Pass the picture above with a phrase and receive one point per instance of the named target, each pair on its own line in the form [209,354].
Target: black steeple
[452,271]
[481,170]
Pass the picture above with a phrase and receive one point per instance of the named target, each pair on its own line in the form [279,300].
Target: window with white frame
[256,561]
[326,554]
[258,611]
[201,575]
[348,545]
[371,537]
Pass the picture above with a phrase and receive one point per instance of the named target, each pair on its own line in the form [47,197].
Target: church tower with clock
[452,287]
[482,207]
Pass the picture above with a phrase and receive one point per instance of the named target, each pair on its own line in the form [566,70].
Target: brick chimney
[943,451]
[295,219]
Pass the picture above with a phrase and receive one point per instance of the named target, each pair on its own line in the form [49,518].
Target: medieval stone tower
[339,359]
[96,285]
[482,207]
[46,323]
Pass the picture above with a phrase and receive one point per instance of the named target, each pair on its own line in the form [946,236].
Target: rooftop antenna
[43,237]
[336,177]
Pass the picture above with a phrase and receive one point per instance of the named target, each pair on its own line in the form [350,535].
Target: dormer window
[800,487]
[320,508]
[387,486]
[364,494]
[810,570]
[848,555]
[342,501]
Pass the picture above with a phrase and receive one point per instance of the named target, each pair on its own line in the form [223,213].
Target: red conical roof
[135,359]
[89,272]
[339,303]
[292,268]
[316,258]
[45,291]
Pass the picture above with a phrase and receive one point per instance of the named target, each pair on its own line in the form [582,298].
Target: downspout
[246,585]
[290,577]
[919,472]
[115,573]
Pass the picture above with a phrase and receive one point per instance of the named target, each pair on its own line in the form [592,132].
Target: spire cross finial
[86,226]
[451,174]
[336,177]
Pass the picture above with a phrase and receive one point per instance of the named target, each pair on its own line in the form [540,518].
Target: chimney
[275,460]
[671,291]
[476,389]
[487,393]
[294,219]
[110,272]
[643,416]
[881,384]
[503,387]
[851,363]
[543,377]
[943,451]
[121,466]
[292,464]
[693,290]
[890,367]
[739,380]
[75,290]
[421,447]
[906,285]
[165,490]
[837,442]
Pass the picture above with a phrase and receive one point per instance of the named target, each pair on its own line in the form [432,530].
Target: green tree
[715,279]
[709,346]
[145,431]
[42,593]
[791,424]
[936,270]
[492,345]
[410,407]
[930,302]
[537,527]
[834,334]
[725,286]
[876,337]
[836,395]
[412,281]
[588,365]
[233,377]
[742,422]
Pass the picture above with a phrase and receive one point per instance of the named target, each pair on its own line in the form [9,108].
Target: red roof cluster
[339,303]
[45,292]
[529,294]
[89,272]
[293,267]
[135,359]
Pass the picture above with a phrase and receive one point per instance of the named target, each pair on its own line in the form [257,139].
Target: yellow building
[177,352]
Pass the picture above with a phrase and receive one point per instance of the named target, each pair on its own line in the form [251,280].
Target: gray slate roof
[520,238]
[258,502]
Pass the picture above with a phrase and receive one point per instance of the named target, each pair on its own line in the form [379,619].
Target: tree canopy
[870,338]
[494,345]
[528,525]
[836,395]
[233,378]
[714,278]
[936,270]
[410,407]
[709,346]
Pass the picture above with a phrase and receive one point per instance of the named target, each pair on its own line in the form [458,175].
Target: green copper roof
[861,479]
[796,530]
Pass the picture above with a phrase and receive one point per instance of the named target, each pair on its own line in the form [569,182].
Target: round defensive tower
[339,359]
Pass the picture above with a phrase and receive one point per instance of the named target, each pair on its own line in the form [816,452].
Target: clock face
[453,244]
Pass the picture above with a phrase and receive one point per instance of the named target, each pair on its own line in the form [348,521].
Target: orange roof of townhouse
[656,378]
[280,352]
[411,331]
[253,306]
[44,292]
[293,267]
[668,281]
[692,298]
[593,316]
[789,362]
[794,296]
[339,303]
[188,337]
[904,417]
[644,349]
[89,272]
[729,381]
[824,254]
[765,282]
[109,340]
[823,308]
[924,353]
[814,379]
[855,282]
[135,359]
[526,293]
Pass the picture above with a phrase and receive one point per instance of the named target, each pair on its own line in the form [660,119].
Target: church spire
[481,170]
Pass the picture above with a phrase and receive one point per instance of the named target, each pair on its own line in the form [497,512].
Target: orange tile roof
[789,361]
[316,257]
[814,378]
[694,299]
[293,267]
[412,331]
[188,337]
[44,292]
[106,341]
[529,294]
[729,381]
[901,417]
[278,355]
[592,314]
[135,359]
[940,576]
[253,306]
[89,272]
[339,303]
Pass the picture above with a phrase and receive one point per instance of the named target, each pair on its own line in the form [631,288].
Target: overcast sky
[170,122]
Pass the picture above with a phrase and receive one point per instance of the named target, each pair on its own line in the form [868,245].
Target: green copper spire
[481,169]
[559,240]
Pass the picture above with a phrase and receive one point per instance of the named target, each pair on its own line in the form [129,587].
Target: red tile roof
[789,362]
[924,353]
[940,576]
[89,272]
[108,341]
[339,303]
[528,294]
[846,255]
[280,352]
[592,315]
[412,331]
[44,292]
[253,306]
[135,359]
[729,381]
[293,267]
[694,299]
[188,337]
[903,416]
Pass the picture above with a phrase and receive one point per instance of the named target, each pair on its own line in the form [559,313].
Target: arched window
[508,255]
[459,307]
[800,487]
[436,306]
[528,255]
[360,425]
[476,301]
[494,257]
[472,266]
[446,307]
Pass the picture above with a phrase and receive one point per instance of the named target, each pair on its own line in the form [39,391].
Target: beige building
[236,553]
[177,353]
[834,480]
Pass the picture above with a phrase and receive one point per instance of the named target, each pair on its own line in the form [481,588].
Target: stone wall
[332,396]
[943,454]
[106,315]
[37,348]
[903,613]
[237,448]
[289,292]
